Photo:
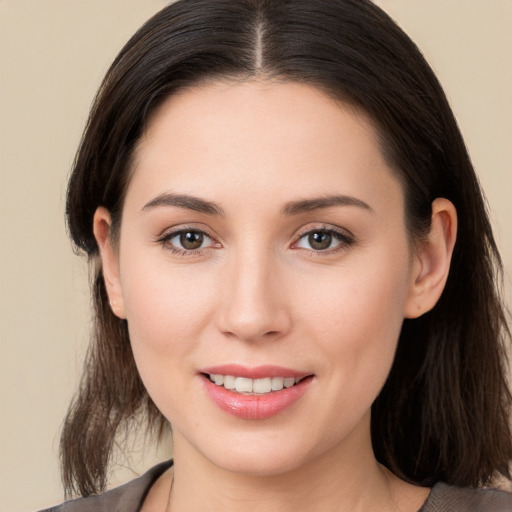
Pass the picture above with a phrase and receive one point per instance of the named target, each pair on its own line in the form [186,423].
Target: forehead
[270,137]
[218,109]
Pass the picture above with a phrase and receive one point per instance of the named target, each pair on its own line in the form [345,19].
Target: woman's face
[263,239]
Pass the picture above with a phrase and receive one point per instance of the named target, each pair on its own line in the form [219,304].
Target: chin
[263,456]
[262,465]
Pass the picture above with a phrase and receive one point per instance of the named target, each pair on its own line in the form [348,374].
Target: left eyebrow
[317,203]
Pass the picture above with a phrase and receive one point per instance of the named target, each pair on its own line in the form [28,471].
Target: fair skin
[267,277]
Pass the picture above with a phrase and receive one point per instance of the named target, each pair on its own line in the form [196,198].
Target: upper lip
[256,372]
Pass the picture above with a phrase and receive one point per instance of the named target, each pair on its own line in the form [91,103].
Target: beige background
[53,54]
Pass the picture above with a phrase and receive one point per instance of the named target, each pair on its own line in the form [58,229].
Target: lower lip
[255,407]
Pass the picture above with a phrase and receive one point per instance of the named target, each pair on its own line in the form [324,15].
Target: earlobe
[102,224]
[432,260]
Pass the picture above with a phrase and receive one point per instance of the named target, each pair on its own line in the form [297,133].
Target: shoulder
[444,498]
[128,497]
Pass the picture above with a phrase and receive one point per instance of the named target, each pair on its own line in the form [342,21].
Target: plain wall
[53,54]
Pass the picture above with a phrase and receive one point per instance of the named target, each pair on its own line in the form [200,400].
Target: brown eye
[320,240]
[324,239]
[187,241]
[191,240]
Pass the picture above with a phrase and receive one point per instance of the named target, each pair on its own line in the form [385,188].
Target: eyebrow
[292,208]
[185,201]
[317,203]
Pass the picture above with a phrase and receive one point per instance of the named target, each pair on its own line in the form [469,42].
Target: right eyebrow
[185,201]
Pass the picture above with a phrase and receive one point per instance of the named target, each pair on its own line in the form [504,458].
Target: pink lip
[258,372]
[255,407]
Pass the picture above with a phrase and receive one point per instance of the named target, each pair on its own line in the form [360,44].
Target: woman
[293,267]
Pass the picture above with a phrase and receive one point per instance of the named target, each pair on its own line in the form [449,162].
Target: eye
[187,241]
[323,239]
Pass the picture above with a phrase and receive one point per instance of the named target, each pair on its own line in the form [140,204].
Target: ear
[432,260]
[102,225]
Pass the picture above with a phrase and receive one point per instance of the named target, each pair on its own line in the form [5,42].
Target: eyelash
[165,240]
[343,238]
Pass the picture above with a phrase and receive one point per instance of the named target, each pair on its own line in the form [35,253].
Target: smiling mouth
[246,386]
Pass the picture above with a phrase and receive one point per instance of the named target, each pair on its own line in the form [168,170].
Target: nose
[253,305]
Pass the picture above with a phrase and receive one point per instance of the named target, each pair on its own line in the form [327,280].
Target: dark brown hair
[443,413]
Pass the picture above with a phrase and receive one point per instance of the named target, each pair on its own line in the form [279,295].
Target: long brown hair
[443,413]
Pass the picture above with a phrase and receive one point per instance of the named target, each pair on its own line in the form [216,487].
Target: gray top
[446,498]
[442,498]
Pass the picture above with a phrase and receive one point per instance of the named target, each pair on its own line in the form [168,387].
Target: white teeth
[229,382]
[262,385]
[243,385]
[277,383]
[253,386]
[289,382]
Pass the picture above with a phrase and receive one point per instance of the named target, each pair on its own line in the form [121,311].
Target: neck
[345,478]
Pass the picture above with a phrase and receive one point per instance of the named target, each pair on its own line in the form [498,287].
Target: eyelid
[345,237]
[192,226]
[324,227]
[168,234]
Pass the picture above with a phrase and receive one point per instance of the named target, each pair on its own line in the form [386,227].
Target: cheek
[369,296]
[167,311]
[356,320]
[167,307]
